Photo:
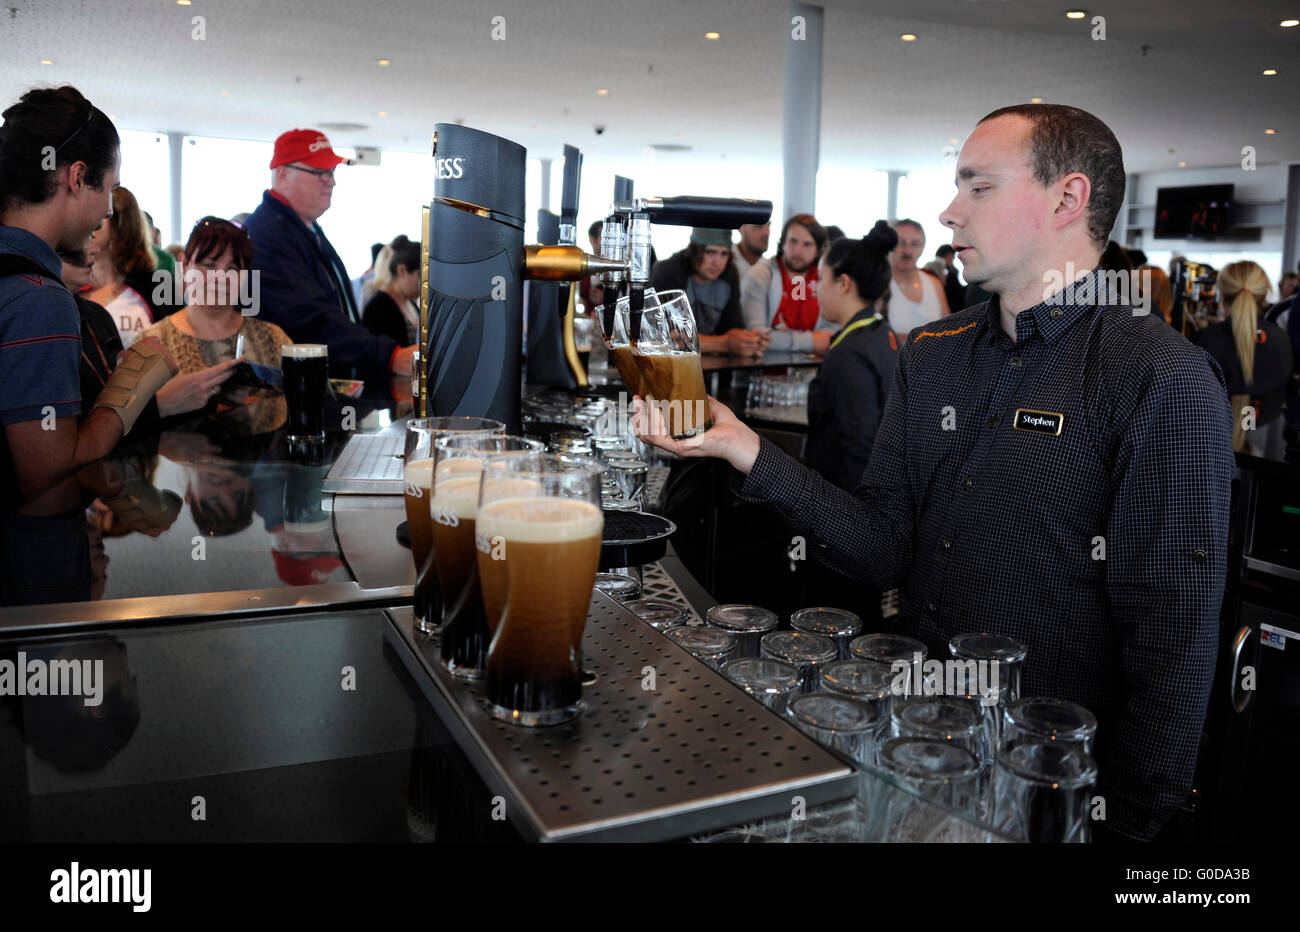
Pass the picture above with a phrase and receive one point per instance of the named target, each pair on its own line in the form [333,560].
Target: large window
[146,170]
[922,196]
[852,199]
[221,177]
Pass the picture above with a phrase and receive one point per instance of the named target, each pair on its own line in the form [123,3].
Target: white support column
[891,197]
[801,108]
[546,184]
[174,143]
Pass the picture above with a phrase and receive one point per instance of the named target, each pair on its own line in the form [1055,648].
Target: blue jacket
[299,292]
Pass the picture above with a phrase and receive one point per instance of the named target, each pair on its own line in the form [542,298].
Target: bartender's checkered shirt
[990,528]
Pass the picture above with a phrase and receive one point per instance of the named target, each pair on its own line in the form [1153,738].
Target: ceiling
[1178,80]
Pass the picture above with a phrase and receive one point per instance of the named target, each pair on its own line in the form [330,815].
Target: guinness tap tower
[471,320]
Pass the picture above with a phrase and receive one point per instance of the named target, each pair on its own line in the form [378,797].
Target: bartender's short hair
[1067,139]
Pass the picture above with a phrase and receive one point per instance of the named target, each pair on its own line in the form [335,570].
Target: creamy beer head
[541,519]
[419,473]
[456,496]
[304,351]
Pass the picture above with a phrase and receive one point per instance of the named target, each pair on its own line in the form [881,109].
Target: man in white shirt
[752,245]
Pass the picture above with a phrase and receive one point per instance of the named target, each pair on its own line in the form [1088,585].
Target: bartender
[1022,481]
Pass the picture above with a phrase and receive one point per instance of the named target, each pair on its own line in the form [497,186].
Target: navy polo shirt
[1070,489]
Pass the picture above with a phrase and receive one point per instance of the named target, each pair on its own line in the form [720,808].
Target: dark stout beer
[419,482]
[551,547]
[306,380]
[464,629]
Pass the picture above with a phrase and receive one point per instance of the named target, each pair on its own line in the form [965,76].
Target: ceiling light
[603,92]
[1288,23]
[46,61]
[383,113]
[183,2]
[953,141]
[1269,72]
[712,35]
[1270,132]
[384,63]
[1035,100]
[1075,14]
[1182,164]
[225,93]
[908,37]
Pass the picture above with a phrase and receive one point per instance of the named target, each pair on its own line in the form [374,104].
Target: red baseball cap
[309,146]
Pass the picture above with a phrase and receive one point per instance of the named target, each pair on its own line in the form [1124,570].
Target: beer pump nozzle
[726,213]
[565,263]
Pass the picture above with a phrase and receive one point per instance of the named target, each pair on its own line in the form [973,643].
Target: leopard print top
[262,342]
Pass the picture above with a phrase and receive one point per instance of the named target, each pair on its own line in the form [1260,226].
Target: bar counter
[261,682]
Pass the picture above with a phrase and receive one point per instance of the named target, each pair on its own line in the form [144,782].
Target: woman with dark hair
[202,336]
[392,309]
[848,395]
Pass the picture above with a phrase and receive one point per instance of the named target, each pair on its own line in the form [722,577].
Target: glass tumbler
[712,645]
[771,682]
[747,622]
[838,722]
[807,653]
[835,623]
[1042,791]
[1050,720]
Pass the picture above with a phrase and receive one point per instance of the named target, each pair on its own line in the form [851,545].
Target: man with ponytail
[1050,466]
[1255,355]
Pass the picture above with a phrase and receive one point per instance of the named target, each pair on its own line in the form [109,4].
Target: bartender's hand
[727,439]
[403,360]
[193,390]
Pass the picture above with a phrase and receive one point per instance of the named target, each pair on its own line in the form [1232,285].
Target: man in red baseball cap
[305,286]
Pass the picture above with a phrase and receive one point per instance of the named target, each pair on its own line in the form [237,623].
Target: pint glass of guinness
[306,380]
[538,549]
[458,463]
[418,474]
[664,349]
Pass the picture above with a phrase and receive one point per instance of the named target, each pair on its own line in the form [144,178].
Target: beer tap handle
[726,213]
[569,196]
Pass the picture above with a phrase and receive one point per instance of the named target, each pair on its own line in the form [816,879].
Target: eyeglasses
[321,173]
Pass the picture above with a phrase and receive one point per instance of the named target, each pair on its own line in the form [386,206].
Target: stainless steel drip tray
[692,754]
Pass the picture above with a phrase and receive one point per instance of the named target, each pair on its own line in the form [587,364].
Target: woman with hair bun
[847,398]
[1255,355]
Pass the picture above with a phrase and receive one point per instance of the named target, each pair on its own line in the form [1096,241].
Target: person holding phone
[204,335]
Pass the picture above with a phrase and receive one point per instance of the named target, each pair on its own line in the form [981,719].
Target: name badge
[1040,422]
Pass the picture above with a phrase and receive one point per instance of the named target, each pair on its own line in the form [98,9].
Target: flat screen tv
[1195,212]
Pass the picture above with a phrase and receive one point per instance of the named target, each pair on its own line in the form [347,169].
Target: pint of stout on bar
[659,359]
[418,475]
[538,535]
[458,464]
[306,381]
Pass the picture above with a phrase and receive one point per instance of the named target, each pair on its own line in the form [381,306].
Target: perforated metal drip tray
[692,754]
